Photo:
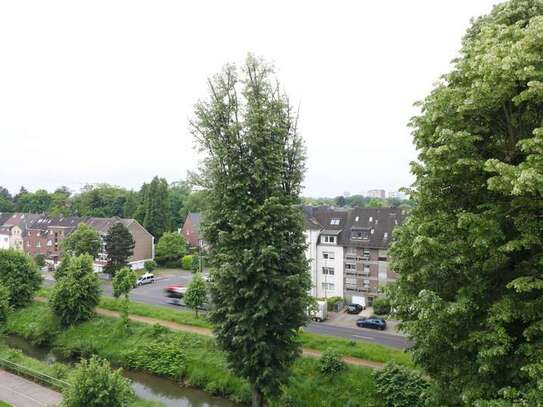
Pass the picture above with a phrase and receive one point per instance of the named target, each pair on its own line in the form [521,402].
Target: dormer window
[329,239]
[334,221]
[360,234]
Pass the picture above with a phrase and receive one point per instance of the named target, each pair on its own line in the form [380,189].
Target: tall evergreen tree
[253,170]
[156,203]
[470,258]
[119,245]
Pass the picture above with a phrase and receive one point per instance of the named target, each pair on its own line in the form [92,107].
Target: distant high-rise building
[346,194]
[396,195]
[376,193]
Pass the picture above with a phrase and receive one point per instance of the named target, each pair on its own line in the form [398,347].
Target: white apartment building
[347,251]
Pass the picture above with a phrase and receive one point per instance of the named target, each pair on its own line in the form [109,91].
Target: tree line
[158,205]
[359,201]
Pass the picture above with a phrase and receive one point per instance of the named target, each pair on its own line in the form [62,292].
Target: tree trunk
[258,399]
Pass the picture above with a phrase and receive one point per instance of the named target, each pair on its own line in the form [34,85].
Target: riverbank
[354,352]
[190,359]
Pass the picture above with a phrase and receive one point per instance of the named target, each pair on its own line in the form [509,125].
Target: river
[145,386]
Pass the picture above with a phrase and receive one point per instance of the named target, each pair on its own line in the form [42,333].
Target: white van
[146,278]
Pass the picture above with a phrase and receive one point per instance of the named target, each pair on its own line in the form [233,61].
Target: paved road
[21,392]
[154,294]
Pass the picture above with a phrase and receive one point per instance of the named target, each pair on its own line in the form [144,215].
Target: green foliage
[253,171]
[203,364]
[330,363]
[470,257]
[95,384]
[170,249]
[188,261]
[84,239]
[101,200]
[5,306]
[76,295]
[155,207]
[124,281]
[20,275]
[196,294]
[119,245]
[60,271]
[39,259]
[332,301]
[150,266]
[401,386]
[381,306]
[164,358]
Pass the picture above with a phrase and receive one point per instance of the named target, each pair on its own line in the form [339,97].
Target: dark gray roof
[3,217]
[22,220]
[195,218]
[102,225]
[65,222]
[372,226]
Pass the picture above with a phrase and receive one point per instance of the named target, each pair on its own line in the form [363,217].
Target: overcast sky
[102,91]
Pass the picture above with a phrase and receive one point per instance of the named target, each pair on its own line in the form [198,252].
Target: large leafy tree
[84,239]
[253,169]
[470,258]
[76,295]
[156,208]
[170,249]
[119,245]
[20,275]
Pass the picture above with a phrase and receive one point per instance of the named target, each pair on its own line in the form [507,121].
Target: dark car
[354,308]
[372,323]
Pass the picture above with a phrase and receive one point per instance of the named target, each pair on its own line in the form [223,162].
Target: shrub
[60,271]
[20,275]
[150,266]
[196,294]
[188,260]
[4,305]
[76,295]
[332,301]
[330,363]
[381,306]
[95,384]
[401,387]
[161,358]
[40,260]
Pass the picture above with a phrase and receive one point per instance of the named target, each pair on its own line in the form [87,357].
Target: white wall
[311,239]
[337,264]
[4,242]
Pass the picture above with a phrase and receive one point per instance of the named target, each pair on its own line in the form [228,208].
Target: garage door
[359,300]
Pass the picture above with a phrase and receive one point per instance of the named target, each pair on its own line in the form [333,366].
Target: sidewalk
[20,392]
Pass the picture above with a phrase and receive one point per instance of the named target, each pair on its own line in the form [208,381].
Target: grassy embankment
[357,349]
[56,370]
[191,359]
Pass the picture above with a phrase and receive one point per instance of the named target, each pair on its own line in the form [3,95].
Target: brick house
[191,230]
[42,234]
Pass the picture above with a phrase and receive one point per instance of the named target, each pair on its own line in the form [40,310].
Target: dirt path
[174,326]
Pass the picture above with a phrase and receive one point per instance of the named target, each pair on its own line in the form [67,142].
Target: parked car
[354,308]
[146,278]
[372,323]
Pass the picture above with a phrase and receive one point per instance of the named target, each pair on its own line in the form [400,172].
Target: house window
[38,245]
[350,266]
[360,234]
[328,286]
[329,239]
[49,243]
[334,221]
[328,255]
[328,270]
[366,269]
[366,253]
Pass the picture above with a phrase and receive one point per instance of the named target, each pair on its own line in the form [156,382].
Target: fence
[33,375]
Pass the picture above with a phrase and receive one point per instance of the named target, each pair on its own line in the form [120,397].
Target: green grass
[357,349]
[201,364]
[362,350]
[57,370]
